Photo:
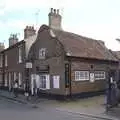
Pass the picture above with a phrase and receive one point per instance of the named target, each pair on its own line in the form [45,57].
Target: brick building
[57,62]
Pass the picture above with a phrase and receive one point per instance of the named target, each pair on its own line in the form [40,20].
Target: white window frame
[6,80]
[19,78]
[6,60]
[1,60]
[42,53]
[78,75]
[20,54]
[46,80]
[1,79]
[15,76]
[99,74]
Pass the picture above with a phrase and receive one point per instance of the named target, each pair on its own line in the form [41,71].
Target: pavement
[92,107]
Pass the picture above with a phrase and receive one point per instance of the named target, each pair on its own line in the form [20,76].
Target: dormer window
[42,53]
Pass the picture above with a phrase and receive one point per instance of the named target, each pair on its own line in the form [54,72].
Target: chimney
[55,19]
[13,39]
[2,47]
[29,31]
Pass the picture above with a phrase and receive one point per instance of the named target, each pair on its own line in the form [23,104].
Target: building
[58,62]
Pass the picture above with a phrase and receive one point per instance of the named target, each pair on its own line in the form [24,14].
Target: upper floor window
[81,75]
[1,60]
[42,53]
[6,60]
[99,75]
[20,54]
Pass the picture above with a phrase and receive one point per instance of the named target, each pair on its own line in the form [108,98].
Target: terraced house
[58,62]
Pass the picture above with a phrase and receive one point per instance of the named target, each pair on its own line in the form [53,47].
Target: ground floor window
[81,75]
[10,82]
[99,75]
[44,81]
[6,79]
[15,76]
[19,79]
[1,80]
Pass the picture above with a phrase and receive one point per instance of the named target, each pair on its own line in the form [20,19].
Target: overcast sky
[98,19]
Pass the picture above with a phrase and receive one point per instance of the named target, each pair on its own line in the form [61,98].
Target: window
[6,60]
[6,80]
[15,76]
[42,53]
[1,80]
[99,75]
[81,75]
[20,79]
[20,54]
[45,82]
[1,60]
[10,82]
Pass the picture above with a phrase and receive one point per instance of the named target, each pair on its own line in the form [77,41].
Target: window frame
[6,60]
[99,76]
[44,81]
[19,79]
[20,60]
[77,75]
[42,53]
[6,80]
[1,60]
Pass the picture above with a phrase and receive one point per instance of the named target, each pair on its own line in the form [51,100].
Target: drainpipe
[70,84]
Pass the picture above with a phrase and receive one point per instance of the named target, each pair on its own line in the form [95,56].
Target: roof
[79,46]
[116,53]
[12,46]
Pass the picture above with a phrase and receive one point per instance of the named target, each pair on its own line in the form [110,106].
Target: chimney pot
[55,11]
[29,31]
[51,10]
[55,19]
[58,11]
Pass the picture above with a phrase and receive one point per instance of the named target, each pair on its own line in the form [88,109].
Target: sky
[97,19]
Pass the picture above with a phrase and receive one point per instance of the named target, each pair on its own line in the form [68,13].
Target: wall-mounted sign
[42,69]
[28,65]
[92,77]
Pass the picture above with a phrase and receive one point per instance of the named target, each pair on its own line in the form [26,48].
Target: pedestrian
[114,94]
[118,91]
[108,93]
[16,88]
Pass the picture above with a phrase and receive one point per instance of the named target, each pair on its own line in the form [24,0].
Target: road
[10,110]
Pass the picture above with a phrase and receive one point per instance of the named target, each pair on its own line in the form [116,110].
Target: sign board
[92,77]
[28,65]
[56,81]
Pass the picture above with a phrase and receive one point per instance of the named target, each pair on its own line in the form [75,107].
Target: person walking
[108,93]
[114,94]
[16,88]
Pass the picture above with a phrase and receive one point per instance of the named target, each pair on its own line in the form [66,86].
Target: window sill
[80,80]
[42,88]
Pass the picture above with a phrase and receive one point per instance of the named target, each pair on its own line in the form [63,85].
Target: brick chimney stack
[29,31]
[2,47]
[55,19]
[13,39]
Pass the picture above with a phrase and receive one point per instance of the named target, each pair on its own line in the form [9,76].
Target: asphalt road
[10,110]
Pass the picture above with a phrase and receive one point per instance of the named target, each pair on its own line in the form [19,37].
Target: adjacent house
[58,62]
